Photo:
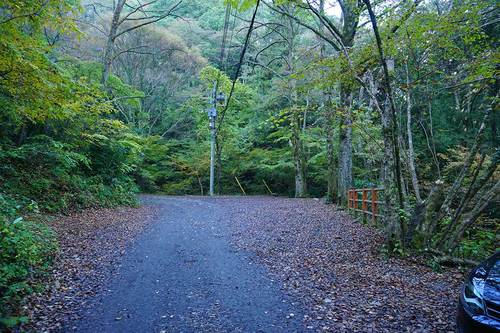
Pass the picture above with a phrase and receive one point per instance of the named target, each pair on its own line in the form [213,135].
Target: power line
[224,35]
[230,42]
[212,112]
[238,69]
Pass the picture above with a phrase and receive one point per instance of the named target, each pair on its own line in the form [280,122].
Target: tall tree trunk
[350,18]
[411,152]
[390,99]
[332,193]
[298,157]
[329,112]
[300,165]
[404,162]
[397,227]
[345,148]
[299,161]
[394,229]
[108,50]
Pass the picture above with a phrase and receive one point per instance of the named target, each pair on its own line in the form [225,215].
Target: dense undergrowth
[45,176]
[61,149]
[28,248]
[55,173]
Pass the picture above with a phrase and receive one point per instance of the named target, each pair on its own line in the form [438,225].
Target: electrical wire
[224,35]
[230,43]
[240,63]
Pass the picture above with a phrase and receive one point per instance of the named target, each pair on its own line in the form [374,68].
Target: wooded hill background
[101,100]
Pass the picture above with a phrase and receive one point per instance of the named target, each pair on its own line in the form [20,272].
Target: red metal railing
[365,201]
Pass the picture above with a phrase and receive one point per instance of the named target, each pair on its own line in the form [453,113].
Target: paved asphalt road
[182,275]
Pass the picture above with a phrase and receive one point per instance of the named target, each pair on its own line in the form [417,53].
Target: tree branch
[159,18]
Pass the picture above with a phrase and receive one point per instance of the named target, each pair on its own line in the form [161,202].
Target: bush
[61,176]
[26,252]
[53,176]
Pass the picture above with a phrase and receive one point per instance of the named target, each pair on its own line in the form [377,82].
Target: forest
[102,100]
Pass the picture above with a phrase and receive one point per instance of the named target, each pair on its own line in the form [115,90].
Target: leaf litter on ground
[91,243]
[322,257]
[334,266]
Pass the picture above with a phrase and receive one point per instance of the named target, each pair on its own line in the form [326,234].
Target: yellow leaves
[37,91]
[38,14]
[114,123]
[95,137]
[210,74]
[32,86]
[241,5]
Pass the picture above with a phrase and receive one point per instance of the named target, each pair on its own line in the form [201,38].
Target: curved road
[182,275]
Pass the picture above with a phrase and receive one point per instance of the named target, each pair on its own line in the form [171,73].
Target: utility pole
[212,117]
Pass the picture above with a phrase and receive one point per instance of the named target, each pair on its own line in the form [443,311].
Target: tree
[340,36]
[137,16]
[282,57]
[161,65]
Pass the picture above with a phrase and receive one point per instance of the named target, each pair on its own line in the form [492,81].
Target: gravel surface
[233,264]
[91,244]
[182,275]
[333,265]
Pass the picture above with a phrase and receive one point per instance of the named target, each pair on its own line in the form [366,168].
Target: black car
[479,305]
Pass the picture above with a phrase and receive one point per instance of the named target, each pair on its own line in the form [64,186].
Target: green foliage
[241,5]
[172,167]
[242,94]
[480,241]
[62,176]
[61,146]
[31,87]
[27,249]
[58,146]
[393,248]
